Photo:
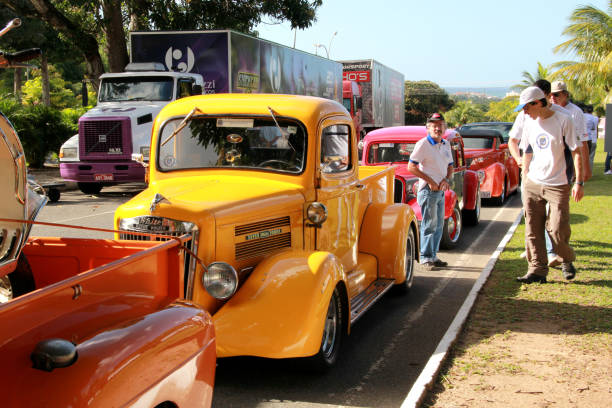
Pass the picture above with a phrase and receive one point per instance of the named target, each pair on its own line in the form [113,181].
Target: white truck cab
[114,137]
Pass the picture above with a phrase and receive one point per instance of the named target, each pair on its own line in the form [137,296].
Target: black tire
[472,217]
[410,255]
[332,336]
[499,200]
[53,194]
[90,188]
[20,281]
[453,227]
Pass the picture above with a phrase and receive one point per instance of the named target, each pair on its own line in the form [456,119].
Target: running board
[363,301]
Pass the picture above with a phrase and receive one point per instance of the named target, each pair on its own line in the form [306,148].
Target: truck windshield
[154,88]
[478,142]
[242,143]
[389,152]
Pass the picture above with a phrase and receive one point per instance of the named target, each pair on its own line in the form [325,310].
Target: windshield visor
[136,89]
[242,143]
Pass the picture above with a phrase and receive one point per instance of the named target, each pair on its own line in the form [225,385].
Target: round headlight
[220,280]
[316,213]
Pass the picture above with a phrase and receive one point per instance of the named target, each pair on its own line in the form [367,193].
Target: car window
[335,149]
[389,152]
[478,142]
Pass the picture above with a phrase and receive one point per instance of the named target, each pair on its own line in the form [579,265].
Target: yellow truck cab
[294,240]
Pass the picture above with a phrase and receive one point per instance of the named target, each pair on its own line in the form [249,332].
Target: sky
[464,43]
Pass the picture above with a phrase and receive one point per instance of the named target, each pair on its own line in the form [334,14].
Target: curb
[430,371]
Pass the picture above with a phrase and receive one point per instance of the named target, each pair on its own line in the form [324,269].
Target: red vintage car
[485,150]
[393,145]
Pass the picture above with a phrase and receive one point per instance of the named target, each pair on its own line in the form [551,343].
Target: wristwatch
[580,183]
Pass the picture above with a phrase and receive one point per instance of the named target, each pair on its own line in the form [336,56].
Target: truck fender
[494,179]
[450,200]
[384,233]
[125,361]
[279,311]
[470,190]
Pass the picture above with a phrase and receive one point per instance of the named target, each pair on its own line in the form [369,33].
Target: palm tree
[528,79]
[591,41]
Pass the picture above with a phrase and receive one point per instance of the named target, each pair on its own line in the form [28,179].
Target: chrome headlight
[316,213]
[220,280]
[68,153]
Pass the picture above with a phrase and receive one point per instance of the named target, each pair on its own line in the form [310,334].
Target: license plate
[103,177]
[485,194]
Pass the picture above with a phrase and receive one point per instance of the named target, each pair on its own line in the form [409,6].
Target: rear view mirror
[196,89]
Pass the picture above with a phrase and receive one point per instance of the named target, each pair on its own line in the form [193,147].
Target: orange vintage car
[295,241]
[93,323]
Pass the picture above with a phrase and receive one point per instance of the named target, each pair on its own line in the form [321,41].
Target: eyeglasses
[556,93]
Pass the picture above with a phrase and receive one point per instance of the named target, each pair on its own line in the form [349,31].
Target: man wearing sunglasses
[546,182]
[560,96]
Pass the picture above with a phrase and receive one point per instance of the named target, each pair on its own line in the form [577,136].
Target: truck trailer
[114,137]
[382,94]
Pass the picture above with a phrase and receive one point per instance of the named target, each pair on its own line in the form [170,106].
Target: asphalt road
[387,348]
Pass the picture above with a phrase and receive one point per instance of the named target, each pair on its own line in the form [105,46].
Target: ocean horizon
[496,91]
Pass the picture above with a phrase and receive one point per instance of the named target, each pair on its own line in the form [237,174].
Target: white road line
[430,371]
[447,277]
[85,216]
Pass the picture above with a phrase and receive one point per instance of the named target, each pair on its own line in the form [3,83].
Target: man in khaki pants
[546,183]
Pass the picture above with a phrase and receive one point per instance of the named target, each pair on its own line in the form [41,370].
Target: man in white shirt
[546,183]
[518,144]
[432,162]
[591,122]
[560,96]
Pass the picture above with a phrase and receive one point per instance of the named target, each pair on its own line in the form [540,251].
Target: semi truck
[373,94]
[113,141]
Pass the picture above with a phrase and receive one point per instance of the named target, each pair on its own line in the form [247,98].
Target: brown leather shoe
[531,278]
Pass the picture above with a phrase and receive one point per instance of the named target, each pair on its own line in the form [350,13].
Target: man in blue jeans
[432,162]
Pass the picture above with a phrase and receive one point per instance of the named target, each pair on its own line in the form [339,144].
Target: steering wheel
[284,164]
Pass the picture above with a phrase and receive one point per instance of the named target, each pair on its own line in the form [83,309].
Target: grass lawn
[554,337]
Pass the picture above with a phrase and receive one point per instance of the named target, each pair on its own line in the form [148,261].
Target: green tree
[464,112]
[503,111]
[422,98]
[528,79]
[590,33]
[63,94]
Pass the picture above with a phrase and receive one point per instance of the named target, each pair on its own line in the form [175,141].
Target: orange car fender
[384,232]
[280,310]
[131,362]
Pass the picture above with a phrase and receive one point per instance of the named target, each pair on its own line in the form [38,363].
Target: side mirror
[196,89]
[359,103]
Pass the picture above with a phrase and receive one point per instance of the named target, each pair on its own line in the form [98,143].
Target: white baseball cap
[558,86]
[530,94]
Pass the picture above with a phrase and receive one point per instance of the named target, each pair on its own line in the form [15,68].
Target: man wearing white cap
[546,183]
[560,96]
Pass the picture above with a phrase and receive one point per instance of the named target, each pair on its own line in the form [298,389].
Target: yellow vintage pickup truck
[294,241]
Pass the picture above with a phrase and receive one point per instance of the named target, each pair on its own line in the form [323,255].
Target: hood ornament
[158,198]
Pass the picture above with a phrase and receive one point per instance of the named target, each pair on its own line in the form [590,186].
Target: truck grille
[105,138]
[261,238]
[192,245]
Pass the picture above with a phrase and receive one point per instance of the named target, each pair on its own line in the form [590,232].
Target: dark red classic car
[392,146]
[485,150]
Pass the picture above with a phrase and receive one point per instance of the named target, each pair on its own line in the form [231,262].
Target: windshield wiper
[279,128]
[182,124]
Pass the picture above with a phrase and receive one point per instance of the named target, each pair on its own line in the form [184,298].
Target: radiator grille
[105,138]
[253,248]
[262,225]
